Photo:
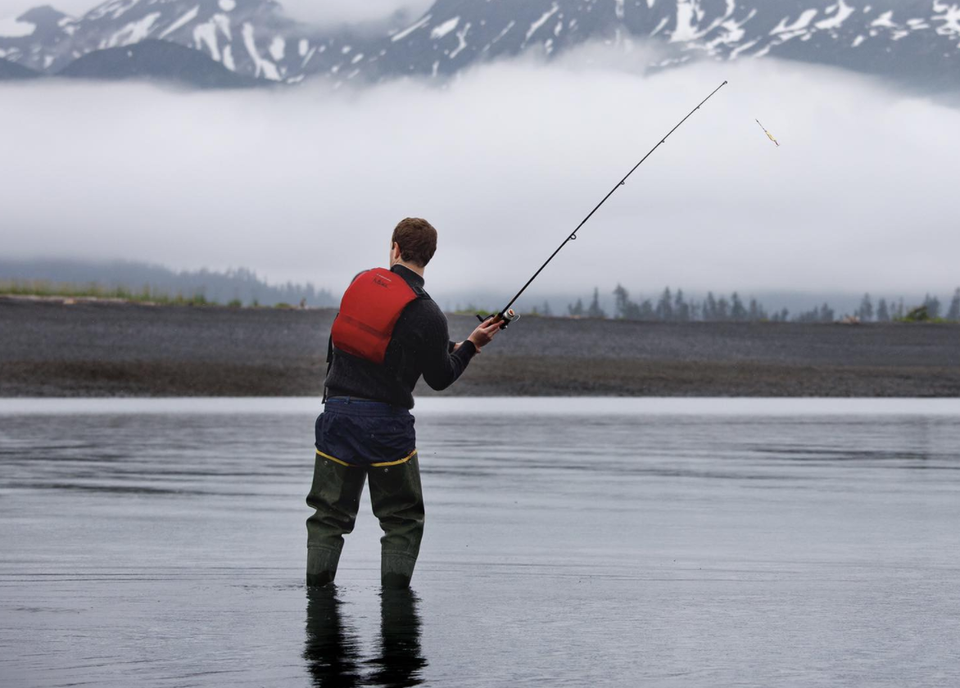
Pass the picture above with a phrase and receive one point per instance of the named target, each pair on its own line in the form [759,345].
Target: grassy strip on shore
[43,288]
[94,290]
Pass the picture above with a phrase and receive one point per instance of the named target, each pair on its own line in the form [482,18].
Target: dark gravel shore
[48,348]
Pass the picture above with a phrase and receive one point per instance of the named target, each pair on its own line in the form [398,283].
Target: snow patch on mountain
[461,41]
[206,35]
[537,25]
[406,32]
[278,48]
[445,28]
[263,67]
[796,27]
[842,11]
[950,18]
[134,32]
[884,20]
[181,22]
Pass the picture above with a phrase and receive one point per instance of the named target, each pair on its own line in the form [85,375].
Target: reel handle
[507,317]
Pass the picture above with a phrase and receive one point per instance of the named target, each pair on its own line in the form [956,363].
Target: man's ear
[395,252]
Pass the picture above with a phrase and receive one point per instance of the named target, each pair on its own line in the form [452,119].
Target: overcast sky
[306,184]
[316,11]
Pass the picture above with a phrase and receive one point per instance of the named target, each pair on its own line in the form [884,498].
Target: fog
[306,184]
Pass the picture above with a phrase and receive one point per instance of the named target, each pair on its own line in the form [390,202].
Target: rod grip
[507,317]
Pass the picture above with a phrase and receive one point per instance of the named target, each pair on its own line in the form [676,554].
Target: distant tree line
[236,286]
[676,307]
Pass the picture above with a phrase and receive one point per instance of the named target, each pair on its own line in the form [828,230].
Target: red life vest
[369,311]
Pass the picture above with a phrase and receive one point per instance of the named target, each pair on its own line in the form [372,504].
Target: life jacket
[369,311]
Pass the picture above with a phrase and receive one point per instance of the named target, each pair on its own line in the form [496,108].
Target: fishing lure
[769,135]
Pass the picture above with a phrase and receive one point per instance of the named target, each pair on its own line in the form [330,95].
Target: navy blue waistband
[364,407]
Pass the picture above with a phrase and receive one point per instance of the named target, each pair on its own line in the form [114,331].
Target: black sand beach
[48,348]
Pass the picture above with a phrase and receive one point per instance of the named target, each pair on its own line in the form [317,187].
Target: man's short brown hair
[417,240]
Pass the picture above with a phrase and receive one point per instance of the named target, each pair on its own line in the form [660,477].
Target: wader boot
[356,439]
[335,494]
[397,498]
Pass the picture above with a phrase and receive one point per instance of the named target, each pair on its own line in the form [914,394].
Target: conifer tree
[827,314]
[710,307]
[723,309]
[933,306]
[757,311]
[953,313]
[595,311]
[737,311]
[681,309]
[621,297]
[883,314]
[865,312]
[665,306]
[646,311]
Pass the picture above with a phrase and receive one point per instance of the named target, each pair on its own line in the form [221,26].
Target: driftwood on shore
[118,349]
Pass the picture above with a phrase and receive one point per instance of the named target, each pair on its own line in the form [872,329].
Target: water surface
[568,542]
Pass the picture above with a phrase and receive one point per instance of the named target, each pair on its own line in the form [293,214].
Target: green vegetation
[921,314]
[918,314]
[98,291]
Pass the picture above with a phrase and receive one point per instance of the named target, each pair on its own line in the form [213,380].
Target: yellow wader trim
[327,456]
[396,463]
[375,465]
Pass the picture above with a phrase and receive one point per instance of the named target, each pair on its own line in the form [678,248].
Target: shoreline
[596,407]
[106,349]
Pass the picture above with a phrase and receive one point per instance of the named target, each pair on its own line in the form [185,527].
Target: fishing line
[507,315]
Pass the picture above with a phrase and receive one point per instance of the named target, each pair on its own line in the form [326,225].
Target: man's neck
[410,266]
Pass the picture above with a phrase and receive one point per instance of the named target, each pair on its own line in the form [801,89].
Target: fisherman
[388,334]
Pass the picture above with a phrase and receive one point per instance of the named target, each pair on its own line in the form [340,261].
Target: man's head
[414,241]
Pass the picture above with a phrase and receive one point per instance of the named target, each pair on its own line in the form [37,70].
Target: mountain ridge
[156,60]
[12,71]
[912,41]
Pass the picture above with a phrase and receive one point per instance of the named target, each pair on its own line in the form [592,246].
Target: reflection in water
[333,649]
[401,662]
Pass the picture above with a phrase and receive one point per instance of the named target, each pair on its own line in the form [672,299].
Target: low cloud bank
[306,184]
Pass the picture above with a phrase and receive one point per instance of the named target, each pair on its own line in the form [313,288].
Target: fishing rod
[508,315]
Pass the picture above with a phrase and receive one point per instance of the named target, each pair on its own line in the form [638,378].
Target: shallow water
[568,542]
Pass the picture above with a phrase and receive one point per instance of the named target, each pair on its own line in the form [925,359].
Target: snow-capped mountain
[915,40]
[246,36]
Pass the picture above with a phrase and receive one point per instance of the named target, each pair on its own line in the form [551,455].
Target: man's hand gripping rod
[508,315]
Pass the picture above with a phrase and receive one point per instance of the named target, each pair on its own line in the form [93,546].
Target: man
[387,335]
